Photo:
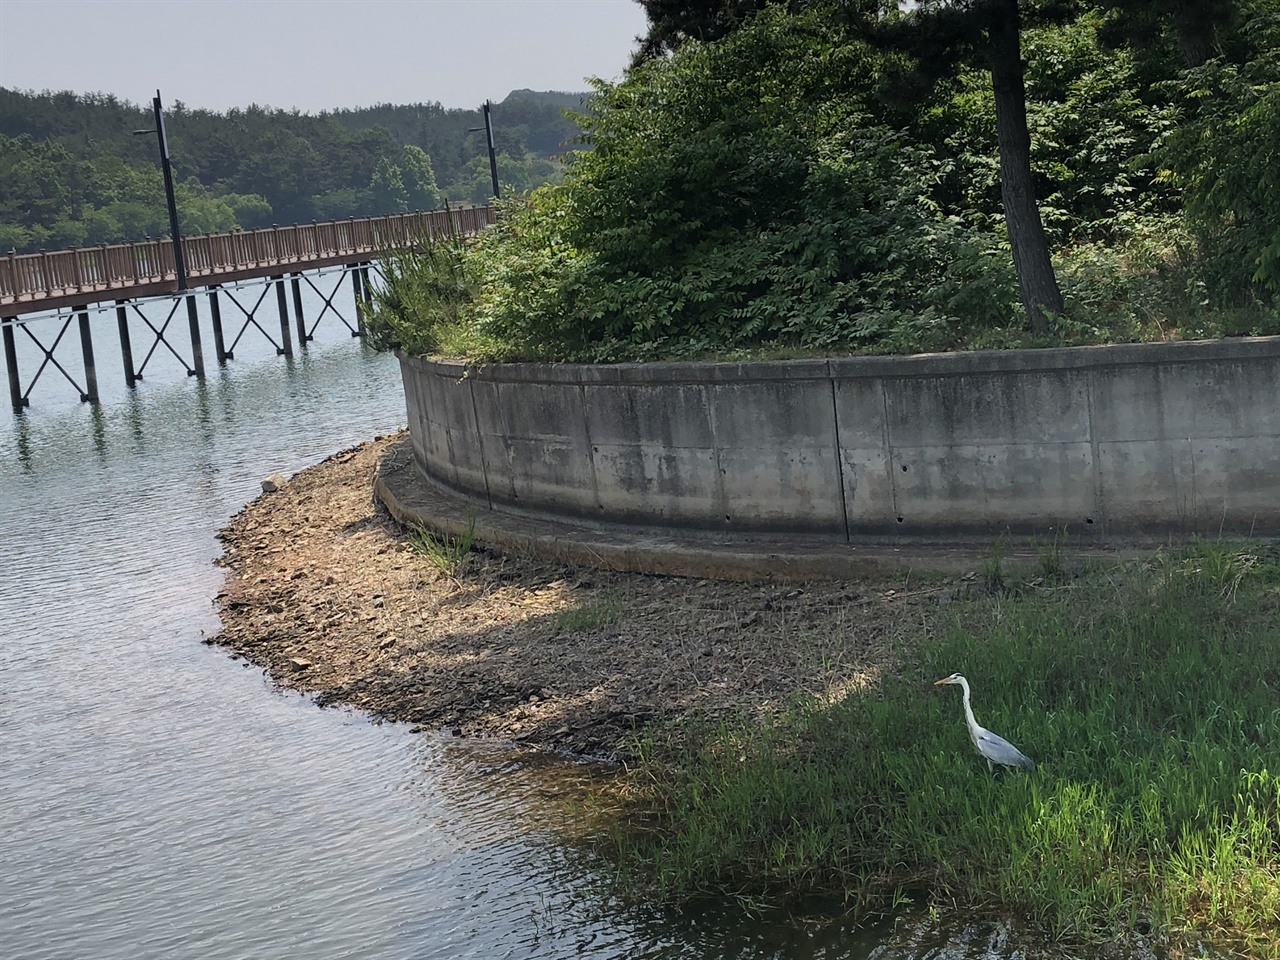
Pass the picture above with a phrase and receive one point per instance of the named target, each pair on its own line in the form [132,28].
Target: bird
[994,749]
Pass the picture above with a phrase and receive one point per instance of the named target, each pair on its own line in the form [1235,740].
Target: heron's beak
[938,683]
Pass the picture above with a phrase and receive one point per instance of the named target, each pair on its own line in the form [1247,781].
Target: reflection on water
[162,800]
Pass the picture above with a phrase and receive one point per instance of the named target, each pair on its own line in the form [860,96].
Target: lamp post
[493,157]
[179,262]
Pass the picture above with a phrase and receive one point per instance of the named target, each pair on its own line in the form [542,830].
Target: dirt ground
[330,595]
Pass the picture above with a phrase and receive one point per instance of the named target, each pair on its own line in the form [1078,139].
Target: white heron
[994,748]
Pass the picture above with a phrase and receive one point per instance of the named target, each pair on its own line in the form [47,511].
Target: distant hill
[72,173]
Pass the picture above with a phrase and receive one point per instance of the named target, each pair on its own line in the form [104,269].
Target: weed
[1219,566]
[429,284]
[444,551]
[993,567]
[591,615]
[1052,556]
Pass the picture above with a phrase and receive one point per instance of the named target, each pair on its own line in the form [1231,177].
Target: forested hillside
[72,172]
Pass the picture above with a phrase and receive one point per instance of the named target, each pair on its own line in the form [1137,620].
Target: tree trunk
[1197,30]
[1036,281]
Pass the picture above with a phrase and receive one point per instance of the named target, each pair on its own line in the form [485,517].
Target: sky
[313,55]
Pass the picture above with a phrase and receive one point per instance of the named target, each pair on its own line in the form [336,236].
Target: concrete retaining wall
[1126,440]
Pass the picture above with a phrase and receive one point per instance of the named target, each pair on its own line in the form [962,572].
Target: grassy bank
[1149,696]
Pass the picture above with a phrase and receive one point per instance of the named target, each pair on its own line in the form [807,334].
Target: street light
[493,158]
[179,263]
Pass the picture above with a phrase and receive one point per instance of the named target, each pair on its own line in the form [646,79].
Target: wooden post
[126,348]
[297,311]
[193,322]
[283,303]
[11,364]
[219,344]
[90,368]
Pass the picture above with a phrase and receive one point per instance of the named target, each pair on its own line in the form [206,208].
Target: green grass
[1149,696]
[443,551]
[590,615]
[993,569]
[1052,556]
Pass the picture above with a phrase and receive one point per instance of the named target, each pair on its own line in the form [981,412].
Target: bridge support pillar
[219,344]
[197,351]
[11,364]
[282,302]
[359,299]
[297,310]
[126,348]
[366,288]
[86,348]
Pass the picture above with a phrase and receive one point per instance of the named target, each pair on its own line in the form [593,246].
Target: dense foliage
[1226,158]
[73,173]
[734,197]
[761,192]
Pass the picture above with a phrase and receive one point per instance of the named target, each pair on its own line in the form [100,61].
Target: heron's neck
[968,710]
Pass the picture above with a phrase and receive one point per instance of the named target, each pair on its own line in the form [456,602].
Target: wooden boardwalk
[50,280]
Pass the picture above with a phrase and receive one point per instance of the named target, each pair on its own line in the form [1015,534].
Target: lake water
[161,800]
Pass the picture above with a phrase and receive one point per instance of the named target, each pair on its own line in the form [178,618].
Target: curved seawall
[1130,440]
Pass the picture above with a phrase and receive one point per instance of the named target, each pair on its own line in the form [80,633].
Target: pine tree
[671,22]
[934,40]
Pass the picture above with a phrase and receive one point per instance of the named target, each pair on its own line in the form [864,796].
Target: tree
[283,167]
[387,188]
[671,22]
[1036,280]
[71,160]
[515,175]
[1226,158]
[1093,124]
[419,179]
[737,194]
[36,180]
[1197,24]
[934,39]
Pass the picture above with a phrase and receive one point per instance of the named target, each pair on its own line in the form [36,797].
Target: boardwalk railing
[52,279]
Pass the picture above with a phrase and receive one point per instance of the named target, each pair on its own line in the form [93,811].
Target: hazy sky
[313,54]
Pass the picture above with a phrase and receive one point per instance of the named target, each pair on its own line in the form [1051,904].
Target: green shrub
[737,194]
[1225,158]
[752,196]
[428,287]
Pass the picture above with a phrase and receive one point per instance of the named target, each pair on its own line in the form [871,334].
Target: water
[159,799]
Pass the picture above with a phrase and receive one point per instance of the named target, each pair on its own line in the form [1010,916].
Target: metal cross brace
[249,318]
[50,358]
[159,339]
[328,304]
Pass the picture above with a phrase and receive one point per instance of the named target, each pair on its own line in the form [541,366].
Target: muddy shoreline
[330,595]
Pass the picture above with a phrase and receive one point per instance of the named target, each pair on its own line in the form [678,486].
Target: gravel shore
[330,595]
